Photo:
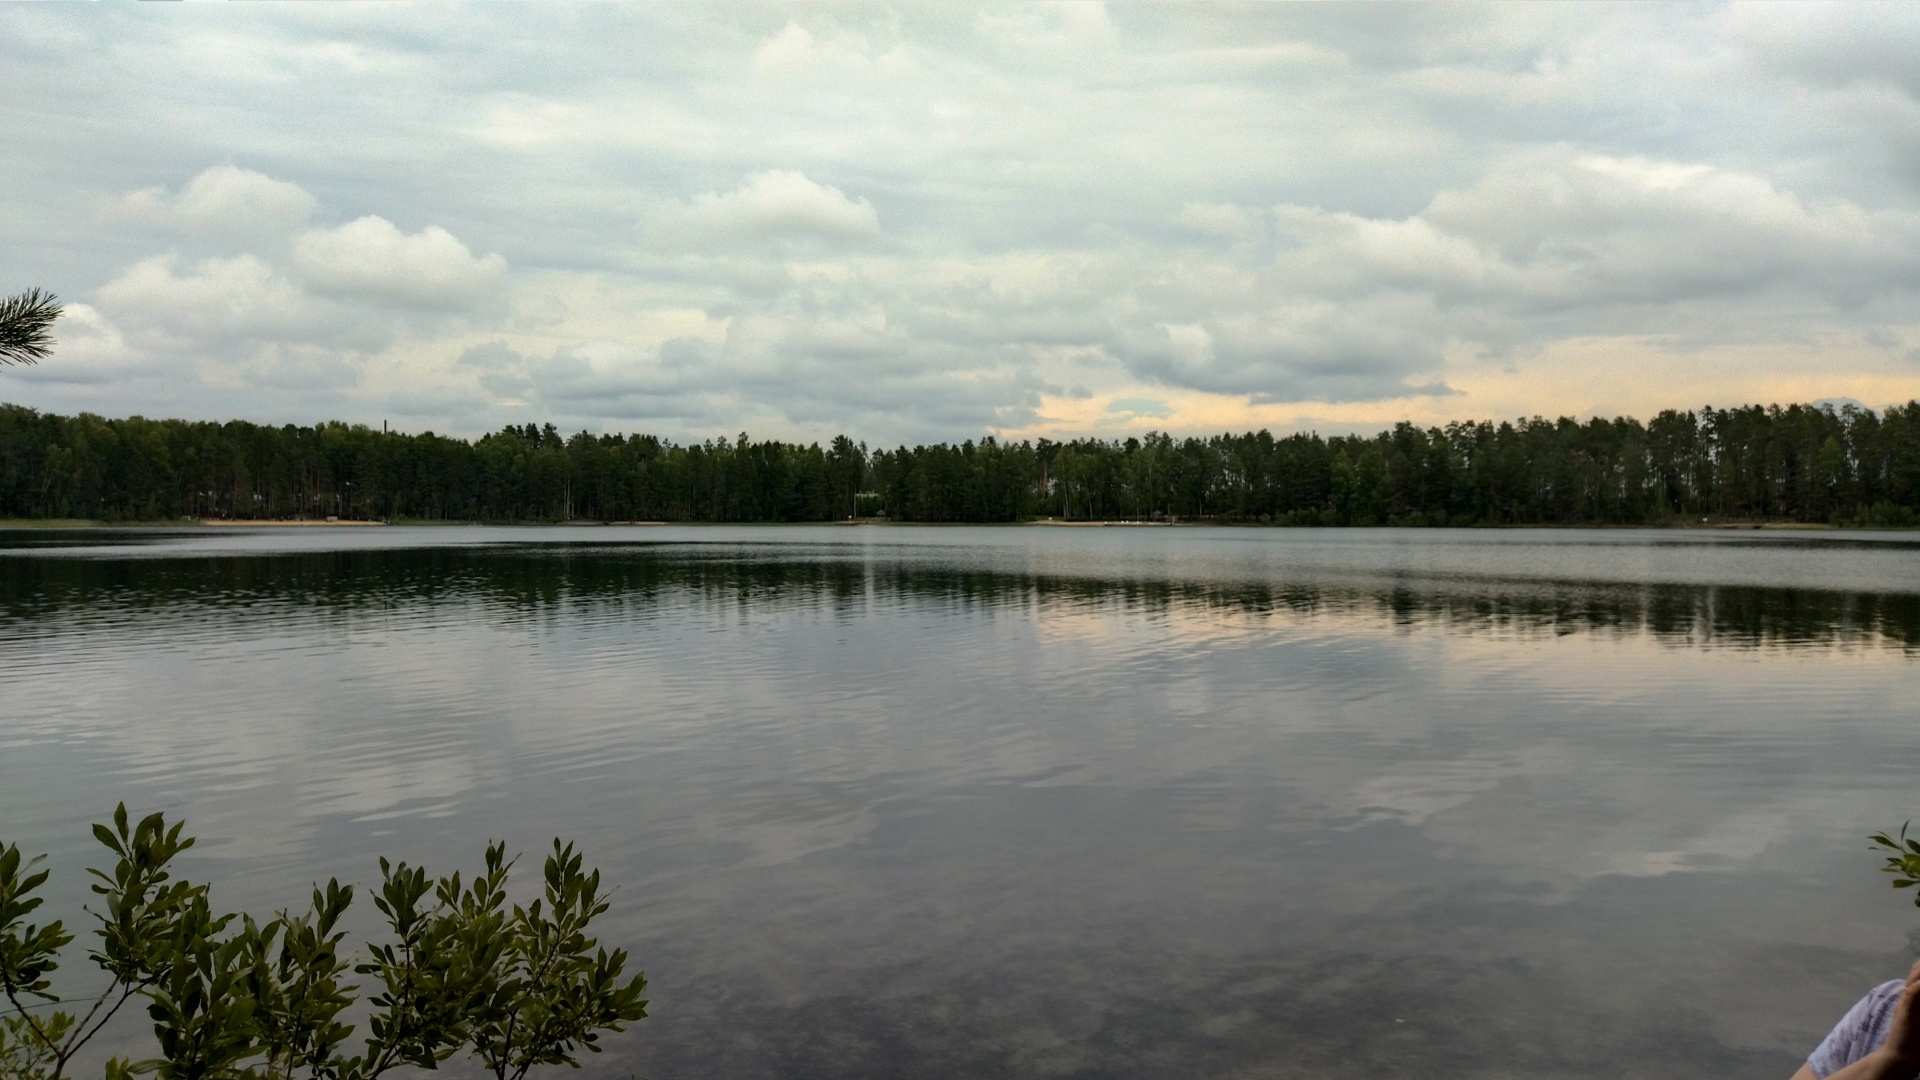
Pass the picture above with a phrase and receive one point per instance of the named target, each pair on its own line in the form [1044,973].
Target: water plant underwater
[232,997]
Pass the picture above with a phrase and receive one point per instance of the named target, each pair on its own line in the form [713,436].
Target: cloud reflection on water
[906,808]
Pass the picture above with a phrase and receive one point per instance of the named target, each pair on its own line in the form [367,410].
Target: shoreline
[1052,523]
[225,523]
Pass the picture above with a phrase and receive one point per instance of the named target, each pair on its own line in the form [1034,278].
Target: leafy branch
[1904,863]
[562,989]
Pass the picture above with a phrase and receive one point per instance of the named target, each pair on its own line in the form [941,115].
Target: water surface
[957,802]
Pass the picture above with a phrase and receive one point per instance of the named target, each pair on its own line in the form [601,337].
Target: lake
[1023,802]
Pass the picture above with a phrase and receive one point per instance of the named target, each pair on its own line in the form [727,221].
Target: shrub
[235,998]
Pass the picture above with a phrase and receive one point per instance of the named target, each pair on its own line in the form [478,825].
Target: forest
[1794,463]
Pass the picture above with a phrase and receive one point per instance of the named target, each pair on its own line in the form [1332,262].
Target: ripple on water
[1022,802]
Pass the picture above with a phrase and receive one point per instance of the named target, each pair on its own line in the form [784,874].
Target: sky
[941,221]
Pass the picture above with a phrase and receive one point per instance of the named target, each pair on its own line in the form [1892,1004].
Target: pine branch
[26,325]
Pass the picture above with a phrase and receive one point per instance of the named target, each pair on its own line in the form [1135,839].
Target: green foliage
[28,952]
[1904,863]
[231,998]
[27,1047]
[561,990]
[296,978]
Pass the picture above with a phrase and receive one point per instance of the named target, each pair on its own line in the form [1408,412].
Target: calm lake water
[968,802]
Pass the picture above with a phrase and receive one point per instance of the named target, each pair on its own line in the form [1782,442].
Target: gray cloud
[491,356]
[926,222]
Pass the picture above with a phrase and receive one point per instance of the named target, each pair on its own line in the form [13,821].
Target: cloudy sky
[937,221]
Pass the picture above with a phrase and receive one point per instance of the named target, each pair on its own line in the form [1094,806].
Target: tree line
[1781,463]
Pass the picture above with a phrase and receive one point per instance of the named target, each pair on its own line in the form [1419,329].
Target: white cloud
[226,200]
[299,312]
[795,53]
[1590,236]
[211,301]
[1223,220]
[219,324]
[250,322]
[1068,24]
[92,351]
[1189,345]
[370,259]
[782,203]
